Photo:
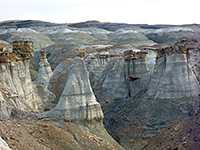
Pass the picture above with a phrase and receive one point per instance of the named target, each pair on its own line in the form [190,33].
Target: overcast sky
[123,11]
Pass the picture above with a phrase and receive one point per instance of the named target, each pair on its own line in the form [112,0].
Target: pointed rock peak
[77,101]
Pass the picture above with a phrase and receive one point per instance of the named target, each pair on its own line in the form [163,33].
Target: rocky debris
[3,145]
[44,72]
[181,136]
[29,133]
[77,101]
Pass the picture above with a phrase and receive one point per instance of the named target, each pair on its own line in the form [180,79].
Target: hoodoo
[14,68]
[77,101]
[44,72]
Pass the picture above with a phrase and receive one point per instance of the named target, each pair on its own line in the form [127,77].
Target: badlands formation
[138,82]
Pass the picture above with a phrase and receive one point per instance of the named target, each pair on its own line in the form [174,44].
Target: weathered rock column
[77,101]
[45,72]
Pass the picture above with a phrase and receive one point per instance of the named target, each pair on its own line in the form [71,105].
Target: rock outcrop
[5,110]
[96,65]
[44,72]
[10,100]
[126,77]
[3,145]
[77,101]
[173,78]
[15,74]
[171,95]
[78,104]
[22,50]
[173,89]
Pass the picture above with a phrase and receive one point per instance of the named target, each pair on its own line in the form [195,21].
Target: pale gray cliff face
[44,97]
[96,68]
[117,83]
[151,59]
[16,75]
[3,145]
[77,100]
[173,78]
[5,110]
[10,100]
[44,73]
[172,93]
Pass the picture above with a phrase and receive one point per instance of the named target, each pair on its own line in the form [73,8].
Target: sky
[121,11]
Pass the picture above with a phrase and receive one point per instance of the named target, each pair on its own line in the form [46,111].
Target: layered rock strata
[22,50]
[77,101]
[44,72]
[173,89]
[96,65]
[126,76]
[171,95]
[15,73]
[10,100]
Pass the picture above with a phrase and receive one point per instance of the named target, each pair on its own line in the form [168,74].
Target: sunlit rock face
[125,77]
[173,90]
[96,65]
[77,100]
[10,100]
[44,72]
[14,68]
[15,74]
[173,78]
[171,95]
[5,110]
